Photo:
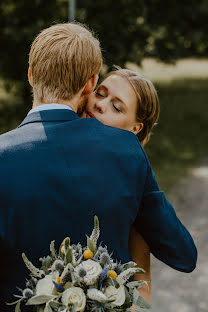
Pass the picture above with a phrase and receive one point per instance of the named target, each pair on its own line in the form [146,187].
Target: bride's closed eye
[117,109]
[99,94]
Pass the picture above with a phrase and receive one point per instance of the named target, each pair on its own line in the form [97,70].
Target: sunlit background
[167,41]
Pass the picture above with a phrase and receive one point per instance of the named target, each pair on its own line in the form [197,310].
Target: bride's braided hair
[148,107]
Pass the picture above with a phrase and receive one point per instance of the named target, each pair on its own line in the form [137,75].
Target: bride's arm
[140,253]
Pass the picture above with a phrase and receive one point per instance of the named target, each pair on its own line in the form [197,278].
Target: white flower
[96,294]
[92,268]
[118,294]
[74,295]
[45,286]
[87,281]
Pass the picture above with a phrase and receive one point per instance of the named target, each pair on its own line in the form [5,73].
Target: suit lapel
[50,115]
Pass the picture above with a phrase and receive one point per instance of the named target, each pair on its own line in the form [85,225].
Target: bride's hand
[140,253]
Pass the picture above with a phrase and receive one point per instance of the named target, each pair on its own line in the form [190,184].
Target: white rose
[45,286]
[74,295]
[92,268]
[96,294]
[117,294]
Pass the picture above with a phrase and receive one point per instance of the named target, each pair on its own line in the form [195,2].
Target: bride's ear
[90,85]
[137,128]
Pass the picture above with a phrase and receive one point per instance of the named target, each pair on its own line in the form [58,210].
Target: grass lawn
[179,141]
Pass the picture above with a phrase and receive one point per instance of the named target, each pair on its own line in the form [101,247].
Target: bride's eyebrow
[117,98]
[102,87]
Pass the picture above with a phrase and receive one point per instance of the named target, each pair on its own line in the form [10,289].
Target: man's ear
[90,85]
[29,75]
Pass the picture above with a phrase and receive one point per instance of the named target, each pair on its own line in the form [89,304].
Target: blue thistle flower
[105,258]
[103,275]
[80,254]
[66,277]
[102,249]
[59,287]
[82,272]
[58,265]
[27,293]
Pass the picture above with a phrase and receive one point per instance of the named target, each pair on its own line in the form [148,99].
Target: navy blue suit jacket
[57,171]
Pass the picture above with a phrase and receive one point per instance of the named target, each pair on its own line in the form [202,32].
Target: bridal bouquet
[77,279]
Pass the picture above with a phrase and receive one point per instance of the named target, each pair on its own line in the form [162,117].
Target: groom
[57,170]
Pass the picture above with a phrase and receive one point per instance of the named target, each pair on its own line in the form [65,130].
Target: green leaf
[128,265]
[127,296]
[72,272]
[142,303]
[15,302]
[96,231]
[91,245]
[48,308]
[135,296]
[65,271]
[69,255]
[17,308]
[55,304]
[66,243]
[39,299]
[40,309]
[135,284]
[139,310]
[35,271]
[115,283]
[112,281]
[139,270]
[53,250]
[46,263]
[107,282]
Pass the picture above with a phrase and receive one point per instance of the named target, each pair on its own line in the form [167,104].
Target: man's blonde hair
[148,108]
[62,58]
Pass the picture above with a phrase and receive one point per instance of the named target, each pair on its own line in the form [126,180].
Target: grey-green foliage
[66,274]
[46,263]
[53,250]
[139,301]
[137,284]
[128,265]
[91,244]
[35,271]
[69,255]
[39,299]
[17,307]
[96,230]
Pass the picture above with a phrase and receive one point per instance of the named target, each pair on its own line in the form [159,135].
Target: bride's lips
[89,114]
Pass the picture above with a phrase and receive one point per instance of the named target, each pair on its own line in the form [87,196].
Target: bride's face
[114,103]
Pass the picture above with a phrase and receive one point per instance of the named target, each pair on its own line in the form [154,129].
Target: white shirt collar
[49,106]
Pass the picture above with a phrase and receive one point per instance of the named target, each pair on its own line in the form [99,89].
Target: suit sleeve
[167,237]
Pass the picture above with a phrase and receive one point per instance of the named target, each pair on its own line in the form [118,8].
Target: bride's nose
[100,106]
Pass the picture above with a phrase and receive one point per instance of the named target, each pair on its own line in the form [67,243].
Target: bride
[128,101]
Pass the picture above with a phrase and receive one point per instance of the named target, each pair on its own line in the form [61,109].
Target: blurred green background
[166,40]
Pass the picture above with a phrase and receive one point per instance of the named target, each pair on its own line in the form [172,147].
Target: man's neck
[71,104]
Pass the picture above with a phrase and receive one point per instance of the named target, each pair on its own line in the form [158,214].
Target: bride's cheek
[90,104]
